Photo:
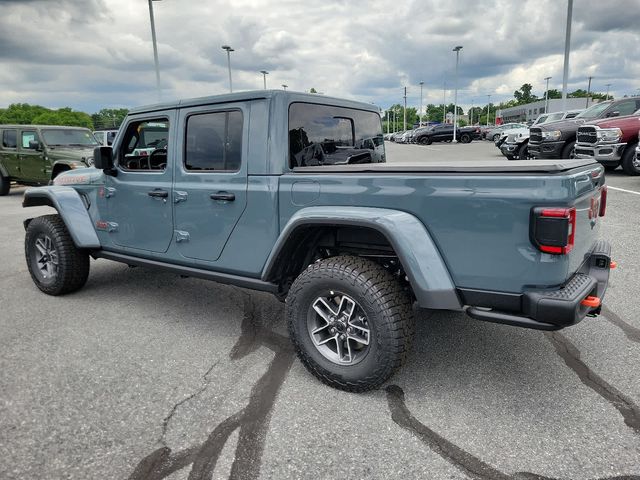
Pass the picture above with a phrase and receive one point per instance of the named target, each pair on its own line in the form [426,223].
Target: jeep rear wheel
[5,185]
[55,264]
[350,321]
[630,162]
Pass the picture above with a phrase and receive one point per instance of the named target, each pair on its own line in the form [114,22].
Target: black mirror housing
[103,158]
[34,145]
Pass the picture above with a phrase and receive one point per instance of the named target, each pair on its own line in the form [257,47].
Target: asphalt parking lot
[147,375]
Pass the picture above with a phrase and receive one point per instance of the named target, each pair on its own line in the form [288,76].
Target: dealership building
[530,111]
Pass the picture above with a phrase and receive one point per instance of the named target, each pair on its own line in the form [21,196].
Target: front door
[10,152]
[140,215]
[32,164]
[210,191]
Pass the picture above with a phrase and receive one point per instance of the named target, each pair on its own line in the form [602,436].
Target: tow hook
[591,301]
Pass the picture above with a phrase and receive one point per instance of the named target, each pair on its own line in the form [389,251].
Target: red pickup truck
[612,142]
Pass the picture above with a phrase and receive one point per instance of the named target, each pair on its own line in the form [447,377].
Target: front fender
[71,208]
[420,258]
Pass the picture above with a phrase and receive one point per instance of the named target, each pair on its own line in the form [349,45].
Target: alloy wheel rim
[339,328]
[46,257]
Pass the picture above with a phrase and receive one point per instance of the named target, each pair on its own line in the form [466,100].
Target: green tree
[64,116]
[109,117]
[524,95]
[21,113]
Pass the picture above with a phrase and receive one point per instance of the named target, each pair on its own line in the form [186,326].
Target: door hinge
[182,236]
[180,196]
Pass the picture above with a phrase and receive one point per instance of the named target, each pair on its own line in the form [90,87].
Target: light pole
[488,103]
[155,47]
[264,77]
[284,86]
[567,49]
[588,91]
[471,119]
[444,101]
[420,111]
[405,110]
[608,85]
[229,50]
[455,101]
[546,96]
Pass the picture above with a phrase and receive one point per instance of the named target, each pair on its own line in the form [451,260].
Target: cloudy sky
[90,54]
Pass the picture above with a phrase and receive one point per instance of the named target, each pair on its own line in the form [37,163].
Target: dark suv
[558,139]
[444,133]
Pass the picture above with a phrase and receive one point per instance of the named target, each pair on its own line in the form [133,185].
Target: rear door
[9,152]
[210,178]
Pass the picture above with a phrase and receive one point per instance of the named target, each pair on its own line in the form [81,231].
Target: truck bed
[460,166]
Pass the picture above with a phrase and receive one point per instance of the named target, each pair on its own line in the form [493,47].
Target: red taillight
[553,230]
[603,200]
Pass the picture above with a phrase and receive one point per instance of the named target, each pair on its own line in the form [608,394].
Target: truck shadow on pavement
[252,421]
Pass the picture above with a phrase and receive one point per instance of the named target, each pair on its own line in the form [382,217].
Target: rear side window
[214,142]
[10,139]
[626,108]
[328,135]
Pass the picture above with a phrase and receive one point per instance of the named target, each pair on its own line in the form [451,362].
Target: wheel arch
[58,168]
[425,268]
[71,208]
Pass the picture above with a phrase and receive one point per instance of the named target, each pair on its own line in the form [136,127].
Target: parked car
[245,197]
[105,137]
[557,139]
[506,133]
[516,145]
[444,133]
[36,154]
[494,133]
[611,141]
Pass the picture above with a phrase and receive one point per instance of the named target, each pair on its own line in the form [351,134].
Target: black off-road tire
[523,151]
[73,264]
[569,150]
[388,310]
[5,185]
[628,158]
[611,168]
[465,138]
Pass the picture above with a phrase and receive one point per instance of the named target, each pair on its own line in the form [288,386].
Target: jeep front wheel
[55,264]
[351,322]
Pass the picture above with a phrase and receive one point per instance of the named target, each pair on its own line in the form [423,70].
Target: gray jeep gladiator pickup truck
[274,191]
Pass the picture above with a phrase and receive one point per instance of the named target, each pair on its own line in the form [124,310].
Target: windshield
[57,137]
[554,116]
[594,111]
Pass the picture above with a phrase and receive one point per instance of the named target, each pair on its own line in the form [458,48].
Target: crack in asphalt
[632,333]
[167,419]
[464,461]
[252,421]
[571,356]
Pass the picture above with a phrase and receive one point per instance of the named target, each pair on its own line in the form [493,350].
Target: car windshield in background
[327,135]
[69,137]
[593,111]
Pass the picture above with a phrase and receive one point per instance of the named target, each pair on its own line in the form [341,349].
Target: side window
[145,145]
[10,139]
[28,136]
[329,135]
[214,142]
[626,108]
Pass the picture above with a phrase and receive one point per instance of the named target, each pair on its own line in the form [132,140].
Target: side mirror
[34,145]
[613,114]
[103,158]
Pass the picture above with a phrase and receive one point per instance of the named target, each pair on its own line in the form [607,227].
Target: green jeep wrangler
[36,154]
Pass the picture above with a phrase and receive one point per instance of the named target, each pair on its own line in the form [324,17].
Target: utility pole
[488,103]
[155,48]
[588,91]
[471,119]
[567,50]
[444,101]
[405,109]
[264,77]
[608,85]
[546,96]
[455,101]
[420,111]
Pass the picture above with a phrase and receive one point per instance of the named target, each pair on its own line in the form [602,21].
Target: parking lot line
[623,190]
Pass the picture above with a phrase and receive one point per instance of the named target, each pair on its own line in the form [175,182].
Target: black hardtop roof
[58,127]
[286,96]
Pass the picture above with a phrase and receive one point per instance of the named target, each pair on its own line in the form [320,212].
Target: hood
[70,153]
[571,124]
[80,176]
[615,121]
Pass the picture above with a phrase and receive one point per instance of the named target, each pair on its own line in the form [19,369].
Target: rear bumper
[546,149]
[605,153]
[556,308]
